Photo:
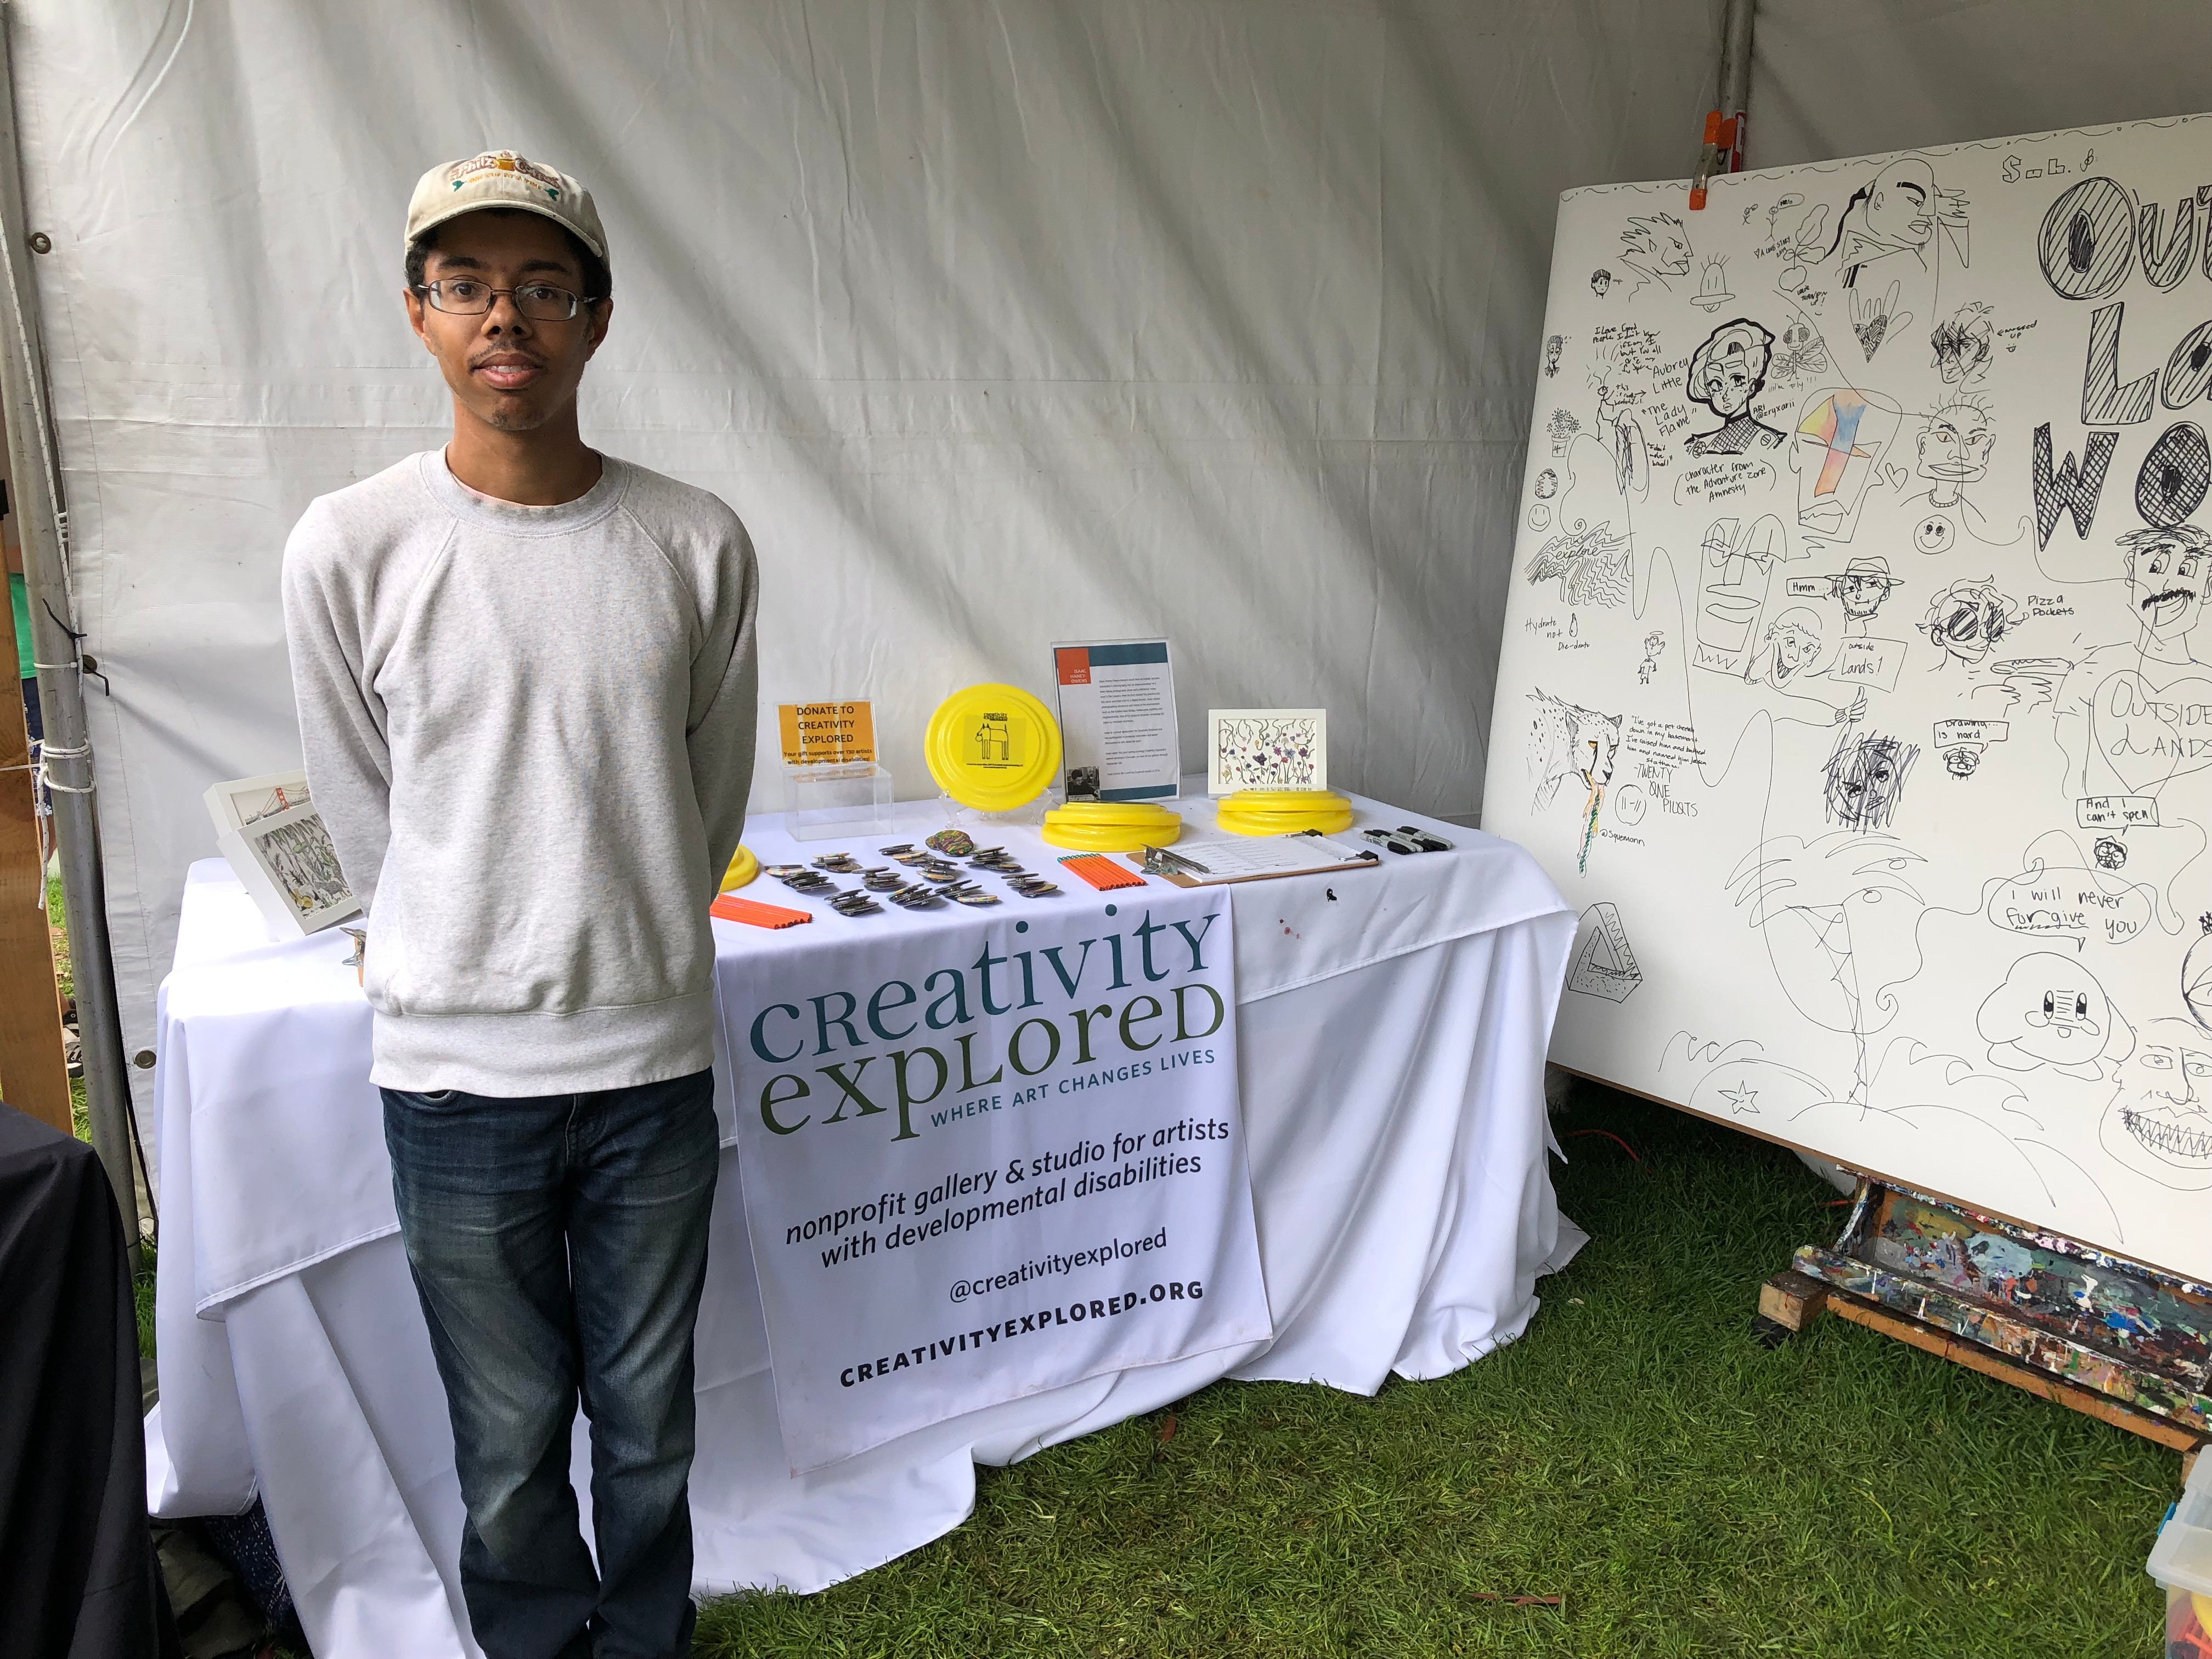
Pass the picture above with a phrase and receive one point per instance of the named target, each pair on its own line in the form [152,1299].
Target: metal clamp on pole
[66,764]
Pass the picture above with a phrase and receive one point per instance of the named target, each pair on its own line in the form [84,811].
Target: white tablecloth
[1393,1025]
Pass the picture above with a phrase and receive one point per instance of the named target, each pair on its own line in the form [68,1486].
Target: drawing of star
[1742,1098]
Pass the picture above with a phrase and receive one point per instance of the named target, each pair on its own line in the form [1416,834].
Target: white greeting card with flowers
[1266,749]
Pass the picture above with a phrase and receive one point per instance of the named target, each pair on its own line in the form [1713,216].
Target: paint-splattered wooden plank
[2134,1315]
[1960,1351]
[1989,1327]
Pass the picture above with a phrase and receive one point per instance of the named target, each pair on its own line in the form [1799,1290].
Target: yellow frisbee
[1282,800]
[992,747]
[743,868]
[1110,826]
[1113,811]
[1283,811]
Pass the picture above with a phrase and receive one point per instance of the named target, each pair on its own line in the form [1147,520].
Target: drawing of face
[1955,443]
[2197,975]
[2050,1011]
[1600,280]
[1548,484]
[1900,205]
[1553,346]
[1861,595]
[1960,760]
[1595,743]
[2166,578]
[2065,1016]
[1565,739]
[1794,636]
[2111,852]
[1729,367]
[2157,1123]
[1725,386]
[1967,619]
[1658,244]
[1963,344]
[1864,776]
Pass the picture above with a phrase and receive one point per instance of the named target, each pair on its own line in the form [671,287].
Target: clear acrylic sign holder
[825,800]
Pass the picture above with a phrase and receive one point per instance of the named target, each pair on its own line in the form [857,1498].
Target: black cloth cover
[77,1560]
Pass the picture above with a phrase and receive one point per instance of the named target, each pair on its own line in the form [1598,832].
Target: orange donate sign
[827,732]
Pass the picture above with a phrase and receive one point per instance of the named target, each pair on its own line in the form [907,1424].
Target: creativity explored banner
[992,1157]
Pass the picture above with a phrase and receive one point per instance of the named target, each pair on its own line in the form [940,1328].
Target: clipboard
[1219,864]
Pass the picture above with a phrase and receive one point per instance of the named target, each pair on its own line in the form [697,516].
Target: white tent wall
[1831,79]
[999,323]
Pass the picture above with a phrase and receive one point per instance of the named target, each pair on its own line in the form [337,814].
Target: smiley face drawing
[2051,1011]
[2159,1122]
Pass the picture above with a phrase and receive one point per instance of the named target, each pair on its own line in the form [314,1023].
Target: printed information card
[1117,721]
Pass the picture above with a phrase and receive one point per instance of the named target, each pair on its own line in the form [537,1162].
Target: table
[1392,1030]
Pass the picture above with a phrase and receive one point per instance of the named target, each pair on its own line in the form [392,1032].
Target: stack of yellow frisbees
[1283,811]
[1110,826]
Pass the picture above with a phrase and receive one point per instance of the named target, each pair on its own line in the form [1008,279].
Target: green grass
[57,927]
[57,924]
[141,1297]
[1637,1452]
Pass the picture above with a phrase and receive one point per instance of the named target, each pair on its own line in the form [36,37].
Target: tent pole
[1735,73]
[68,748]
[1727,124]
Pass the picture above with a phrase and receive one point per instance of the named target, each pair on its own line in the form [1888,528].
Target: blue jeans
[558,1243]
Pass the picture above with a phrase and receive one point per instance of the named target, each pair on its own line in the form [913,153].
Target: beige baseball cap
[502,178]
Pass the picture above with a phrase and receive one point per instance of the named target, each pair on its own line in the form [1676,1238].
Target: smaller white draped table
[1392,1031]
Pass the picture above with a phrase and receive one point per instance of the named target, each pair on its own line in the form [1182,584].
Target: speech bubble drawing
[2070,903]
[2116,811]
[1950,732]
[1721,478]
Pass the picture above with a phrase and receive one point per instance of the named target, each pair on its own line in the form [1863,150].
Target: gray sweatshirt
[530,731]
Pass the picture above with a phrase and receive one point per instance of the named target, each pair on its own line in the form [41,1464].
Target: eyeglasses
[464,296]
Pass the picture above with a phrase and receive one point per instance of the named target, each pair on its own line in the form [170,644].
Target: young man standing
[526,689]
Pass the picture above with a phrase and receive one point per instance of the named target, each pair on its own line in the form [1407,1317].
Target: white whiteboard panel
[1857,678]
